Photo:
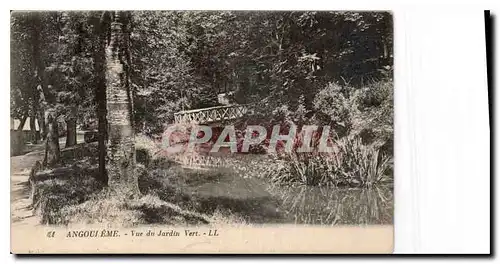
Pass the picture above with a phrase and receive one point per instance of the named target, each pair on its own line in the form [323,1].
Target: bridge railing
[211,114]
[200,161]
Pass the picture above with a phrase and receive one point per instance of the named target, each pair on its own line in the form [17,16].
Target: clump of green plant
[362,164]
[352,164]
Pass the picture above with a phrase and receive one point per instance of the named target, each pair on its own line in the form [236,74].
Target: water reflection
[335,206]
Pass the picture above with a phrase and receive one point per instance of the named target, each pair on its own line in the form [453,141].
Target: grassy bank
[172,195]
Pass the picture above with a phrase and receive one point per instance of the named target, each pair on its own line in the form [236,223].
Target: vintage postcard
[201,132]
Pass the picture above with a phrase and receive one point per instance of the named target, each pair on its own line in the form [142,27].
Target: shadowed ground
[20,166]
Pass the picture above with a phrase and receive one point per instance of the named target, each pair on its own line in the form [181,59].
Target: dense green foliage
[282,60]
[60,43]
[182,60]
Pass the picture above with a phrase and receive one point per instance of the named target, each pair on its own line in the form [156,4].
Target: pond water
[260,202]
[335,206]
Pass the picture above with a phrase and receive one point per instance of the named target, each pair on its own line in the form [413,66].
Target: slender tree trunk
[21,124]
[46,99]
[100,23]
[41,122]
[121,146]
[102,135]
[385,50]
[52,151]
[37,114]
[71,127]
[33,127]
[70,131]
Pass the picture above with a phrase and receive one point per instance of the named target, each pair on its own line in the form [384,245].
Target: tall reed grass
[353,164]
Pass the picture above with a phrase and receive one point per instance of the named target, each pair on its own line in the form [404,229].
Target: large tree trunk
[121,145]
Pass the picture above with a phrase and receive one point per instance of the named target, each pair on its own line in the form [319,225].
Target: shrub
[366,112]
[146,149]
[333,106]
[372,115]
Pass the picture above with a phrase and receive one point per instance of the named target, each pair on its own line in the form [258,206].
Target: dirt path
[20,202]
[21,212]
